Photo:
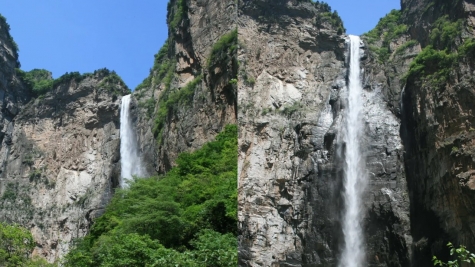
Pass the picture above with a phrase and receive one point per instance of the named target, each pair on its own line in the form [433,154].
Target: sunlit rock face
[60,162]
[292,97]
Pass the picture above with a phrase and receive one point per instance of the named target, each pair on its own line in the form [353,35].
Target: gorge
[348,151]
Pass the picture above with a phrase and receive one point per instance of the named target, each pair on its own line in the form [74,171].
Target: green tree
[16,244]
[463,257]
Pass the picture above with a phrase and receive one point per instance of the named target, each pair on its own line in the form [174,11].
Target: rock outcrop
[438,132]
[60,161]
[292,90]
[188,120]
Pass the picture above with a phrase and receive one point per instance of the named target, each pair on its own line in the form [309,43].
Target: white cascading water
[355,174]
[130,162]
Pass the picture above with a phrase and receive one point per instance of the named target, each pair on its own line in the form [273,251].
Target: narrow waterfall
[354,171]
[130,162]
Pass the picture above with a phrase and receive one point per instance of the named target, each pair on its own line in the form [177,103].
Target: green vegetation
[9,193]
[161,66]
[463,257]
[16,244]
[436,61]
[387,30]
[224,50]
[445,33]
[112,82]
[178,13]
[40,81]
[326,15]
[406,45]
[170,101]
[187,217]
[4,24]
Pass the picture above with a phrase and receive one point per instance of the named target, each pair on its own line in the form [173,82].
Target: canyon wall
[292,90]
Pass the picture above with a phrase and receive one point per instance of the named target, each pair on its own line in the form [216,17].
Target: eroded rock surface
[292,92]
[60,162]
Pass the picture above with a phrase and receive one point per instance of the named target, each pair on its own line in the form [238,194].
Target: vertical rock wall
[292,89]
[60,162]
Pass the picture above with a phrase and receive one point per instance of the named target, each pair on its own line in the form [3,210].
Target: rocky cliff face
[60,161]
[292,90]
[186,107]
[438,135]
[419,127]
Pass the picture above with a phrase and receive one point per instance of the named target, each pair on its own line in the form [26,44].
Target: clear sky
[63,36]
[122,35]
[360,16]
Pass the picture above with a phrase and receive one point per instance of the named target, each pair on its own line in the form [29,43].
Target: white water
[130,162]
[355,174]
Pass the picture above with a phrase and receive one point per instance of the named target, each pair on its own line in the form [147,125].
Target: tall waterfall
[130,162]
[354,169]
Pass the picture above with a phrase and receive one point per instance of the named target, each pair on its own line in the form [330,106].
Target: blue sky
[360,16]
[63,36]
[122,35]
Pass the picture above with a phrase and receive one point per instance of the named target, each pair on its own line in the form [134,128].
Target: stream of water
[355,174]
[130,161]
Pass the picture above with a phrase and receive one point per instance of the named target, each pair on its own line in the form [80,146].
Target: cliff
[60,160]
[292,93]
[417,76]
[60,156]
[190,94]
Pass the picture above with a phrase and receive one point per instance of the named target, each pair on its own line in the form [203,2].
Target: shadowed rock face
[292,93]
[438,135]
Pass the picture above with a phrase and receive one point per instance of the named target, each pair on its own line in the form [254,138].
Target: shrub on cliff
[463,257]
[187,217]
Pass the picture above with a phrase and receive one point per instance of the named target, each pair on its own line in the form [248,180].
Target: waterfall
[130,162]
[354,170]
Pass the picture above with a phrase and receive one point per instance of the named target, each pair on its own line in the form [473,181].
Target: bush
[463,257]
[387,30]
[224,49]
[187,216]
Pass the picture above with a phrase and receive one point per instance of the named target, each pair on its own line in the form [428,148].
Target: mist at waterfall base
[354,169]
[130,162]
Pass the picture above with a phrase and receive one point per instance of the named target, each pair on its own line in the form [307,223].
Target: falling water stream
[130,162]
[354,171]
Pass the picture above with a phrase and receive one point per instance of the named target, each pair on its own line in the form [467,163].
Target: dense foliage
[463,257]
[187,217]
[387,30]
[16,244]
[40,81]
[436,62]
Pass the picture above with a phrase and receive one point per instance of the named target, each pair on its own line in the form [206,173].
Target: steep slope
[189,95]
[438,127]
[60,162]
[292,92]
